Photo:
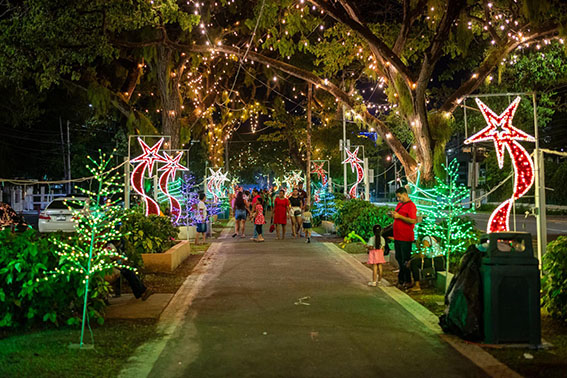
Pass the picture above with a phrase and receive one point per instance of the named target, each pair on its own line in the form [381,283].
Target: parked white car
[57,216]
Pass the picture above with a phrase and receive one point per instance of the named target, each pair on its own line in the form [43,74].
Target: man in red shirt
[405,218]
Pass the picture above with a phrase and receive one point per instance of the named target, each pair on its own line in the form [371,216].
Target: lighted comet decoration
[149,156]
[215,182]
[172,165]
[321,173]
[355,162]
[505,135]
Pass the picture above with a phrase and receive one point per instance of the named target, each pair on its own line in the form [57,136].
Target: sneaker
[234,235]
[372,283]
[307,241]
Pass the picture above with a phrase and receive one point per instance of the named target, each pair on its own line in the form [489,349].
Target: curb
[490,365]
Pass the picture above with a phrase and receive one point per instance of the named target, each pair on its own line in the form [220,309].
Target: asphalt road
[290,309]
[556,225]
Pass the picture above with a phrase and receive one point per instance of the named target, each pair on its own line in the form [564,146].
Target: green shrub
[360,216]
[26,298]
[554,282]
[152,234]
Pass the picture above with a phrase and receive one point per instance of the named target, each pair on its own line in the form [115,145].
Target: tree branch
[489,64]
[377,46]
[487,23]
[405,158]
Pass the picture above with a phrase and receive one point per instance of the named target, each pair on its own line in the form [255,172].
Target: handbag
[272,227]
[386,249]
[427,273]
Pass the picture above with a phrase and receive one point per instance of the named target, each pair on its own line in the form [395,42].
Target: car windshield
[64,205]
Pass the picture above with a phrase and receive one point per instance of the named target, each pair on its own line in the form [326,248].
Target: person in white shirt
[202,219]
[429,249]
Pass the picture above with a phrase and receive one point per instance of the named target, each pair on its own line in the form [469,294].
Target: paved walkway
[290,309]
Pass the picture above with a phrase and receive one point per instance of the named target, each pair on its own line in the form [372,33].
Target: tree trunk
[168,86]
[308,170]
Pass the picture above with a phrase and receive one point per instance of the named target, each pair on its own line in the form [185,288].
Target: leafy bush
[152,234]
[26,298]
[554,282]
[359,216]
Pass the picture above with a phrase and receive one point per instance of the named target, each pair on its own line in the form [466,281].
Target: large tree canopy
[188,67]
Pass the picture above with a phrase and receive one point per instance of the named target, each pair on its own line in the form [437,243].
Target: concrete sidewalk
[290,309]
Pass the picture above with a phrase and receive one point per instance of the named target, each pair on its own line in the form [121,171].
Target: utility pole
[540,202]
[344,153]
[69,185]
[473,174]
[366,180]
[308,174]
[63,149]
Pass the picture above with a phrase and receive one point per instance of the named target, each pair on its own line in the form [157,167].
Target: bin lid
[514,248]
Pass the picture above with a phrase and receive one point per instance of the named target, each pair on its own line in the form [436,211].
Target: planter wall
[169,260]
[187,232]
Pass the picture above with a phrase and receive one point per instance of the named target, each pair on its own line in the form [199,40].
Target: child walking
[307,218]
[259,219]
[376,254]
[201,219]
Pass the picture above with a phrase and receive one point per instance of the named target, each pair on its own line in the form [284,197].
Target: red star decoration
[352,158]
[172,164]
[149,155]
[318,169]
[499,129]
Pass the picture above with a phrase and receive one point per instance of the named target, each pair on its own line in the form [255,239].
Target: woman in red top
[280,213]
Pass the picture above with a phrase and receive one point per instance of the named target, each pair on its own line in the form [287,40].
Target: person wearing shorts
[202,219]
[295,212]
[240,214]
[307,219]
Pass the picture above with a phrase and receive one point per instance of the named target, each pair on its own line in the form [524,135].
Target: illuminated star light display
[355,162]
[215,182]
[172,165]
[149,156]
[505,135]
[320,172]
[292,179]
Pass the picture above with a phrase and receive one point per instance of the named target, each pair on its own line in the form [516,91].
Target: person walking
[280,213]
[295,212]
[201,219]
[376,255]
[240,206]
[259,220]
[405,218]
[307,219]
[303,196]
[255,197]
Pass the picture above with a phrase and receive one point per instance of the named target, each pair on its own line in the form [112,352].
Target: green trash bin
[511,290]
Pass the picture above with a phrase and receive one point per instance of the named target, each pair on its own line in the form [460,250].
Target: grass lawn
[46,354]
